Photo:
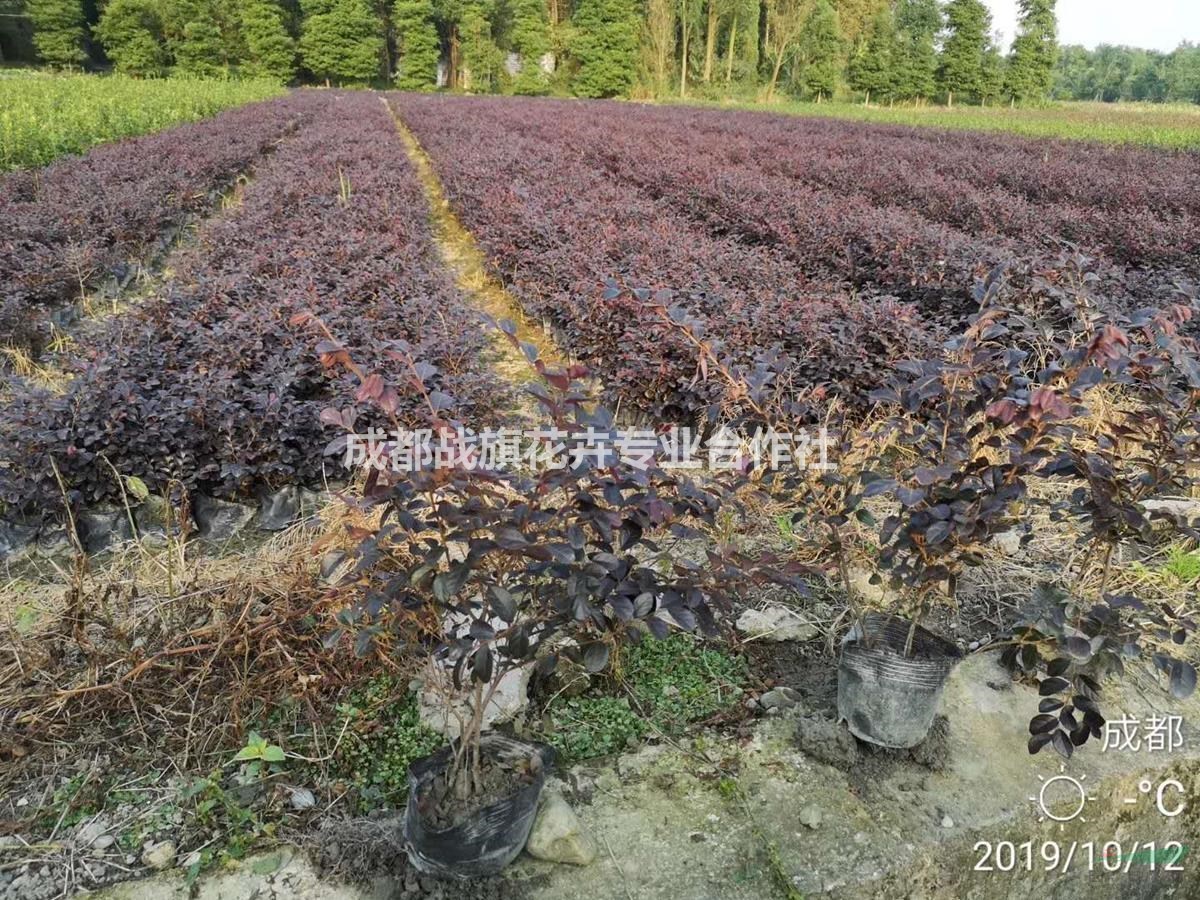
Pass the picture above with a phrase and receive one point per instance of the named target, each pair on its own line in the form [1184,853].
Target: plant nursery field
[220,641]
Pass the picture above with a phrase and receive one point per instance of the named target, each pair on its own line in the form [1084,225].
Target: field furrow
[84,221]
[209,383]
[562,232]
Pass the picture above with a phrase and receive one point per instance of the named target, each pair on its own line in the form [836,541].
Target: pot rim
[890,633]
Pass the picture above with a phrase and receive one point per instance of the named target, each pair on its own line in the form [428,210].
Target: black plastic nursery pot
[492,837]
[885,697]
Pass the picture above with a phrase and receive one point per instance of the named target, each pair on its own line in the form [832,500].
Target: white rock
[860,584]
[775,623]
[88,834]
[558,835]
[780,698]
[1007,542]
[811,816]
[302,798]
[947,822]
[441,707]
[160,855]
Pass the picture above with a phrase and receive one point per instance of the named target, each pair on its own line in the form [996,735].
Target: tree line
[881,51]
[1111,73]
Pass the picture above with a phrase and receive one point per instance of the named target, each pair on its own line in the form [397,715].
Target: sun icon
[1061,798]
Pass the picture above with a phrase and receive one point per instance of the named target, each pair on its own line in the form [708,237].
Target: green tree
[992,83]
[658,45]
[270,50]
[856,18]
[917,23]
[1073,75]
[341,40]
[199,48]
[689,16]
[968,23]
[531,42]
[741,42]
[785,22]
[1183,74]
[604,47]
[820,51]
[1147,82]
[417,44]
[58,30]
[872,71]
[1034,52]
[131,32]
[482,59]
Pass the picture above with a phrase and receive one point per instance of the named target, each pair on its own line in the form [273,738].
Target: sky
[1152,24]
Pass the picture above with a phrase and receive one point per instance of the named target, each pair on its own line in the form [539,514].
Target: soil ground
[716,815]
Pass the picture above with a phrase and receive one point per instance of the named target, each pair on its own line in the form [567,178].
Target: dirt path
[463,256]
[712,816]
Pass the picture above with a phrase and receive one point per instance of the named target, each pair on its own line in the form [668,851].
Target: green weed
[659,687]
[383,735]
[586,727]
[1182,565]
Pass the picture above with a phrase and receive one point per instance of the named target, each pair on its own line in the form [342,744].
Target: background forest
[878,51]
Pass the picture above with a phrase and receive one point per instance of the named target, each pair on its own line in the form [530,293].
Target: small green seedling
[257,752]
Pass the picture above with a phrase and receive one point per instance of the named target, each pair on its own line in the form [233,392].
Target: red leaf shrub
[69,226]
[209,382]
[559,231]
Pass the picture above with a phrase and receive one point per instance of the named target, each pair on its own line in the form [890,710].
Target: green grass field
[43,117]
[1171,126]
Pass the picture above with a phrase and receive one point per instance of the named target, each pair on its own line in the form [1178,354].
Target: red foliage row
[73,224]
[1138,207]
[874,206]
[209,381]
[558,230]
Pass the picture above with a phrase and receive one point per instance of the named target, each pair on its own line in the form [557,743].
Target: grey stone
[440,707]
[88,834]
[569,679]
[302,798]
[220,520]
[16,540]
[780,698]
[159,856]
[312,502]
[331,564]
[811,816]
[55,541]
[157,521]
[558,835]
[1173,508]
[775,623]
[279,510]
[608,781]
[947,822]
[102,527]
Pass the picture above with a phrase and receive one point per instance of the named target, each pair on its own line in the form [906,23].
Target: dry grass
[463,257]
[165,651]
[21,363]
